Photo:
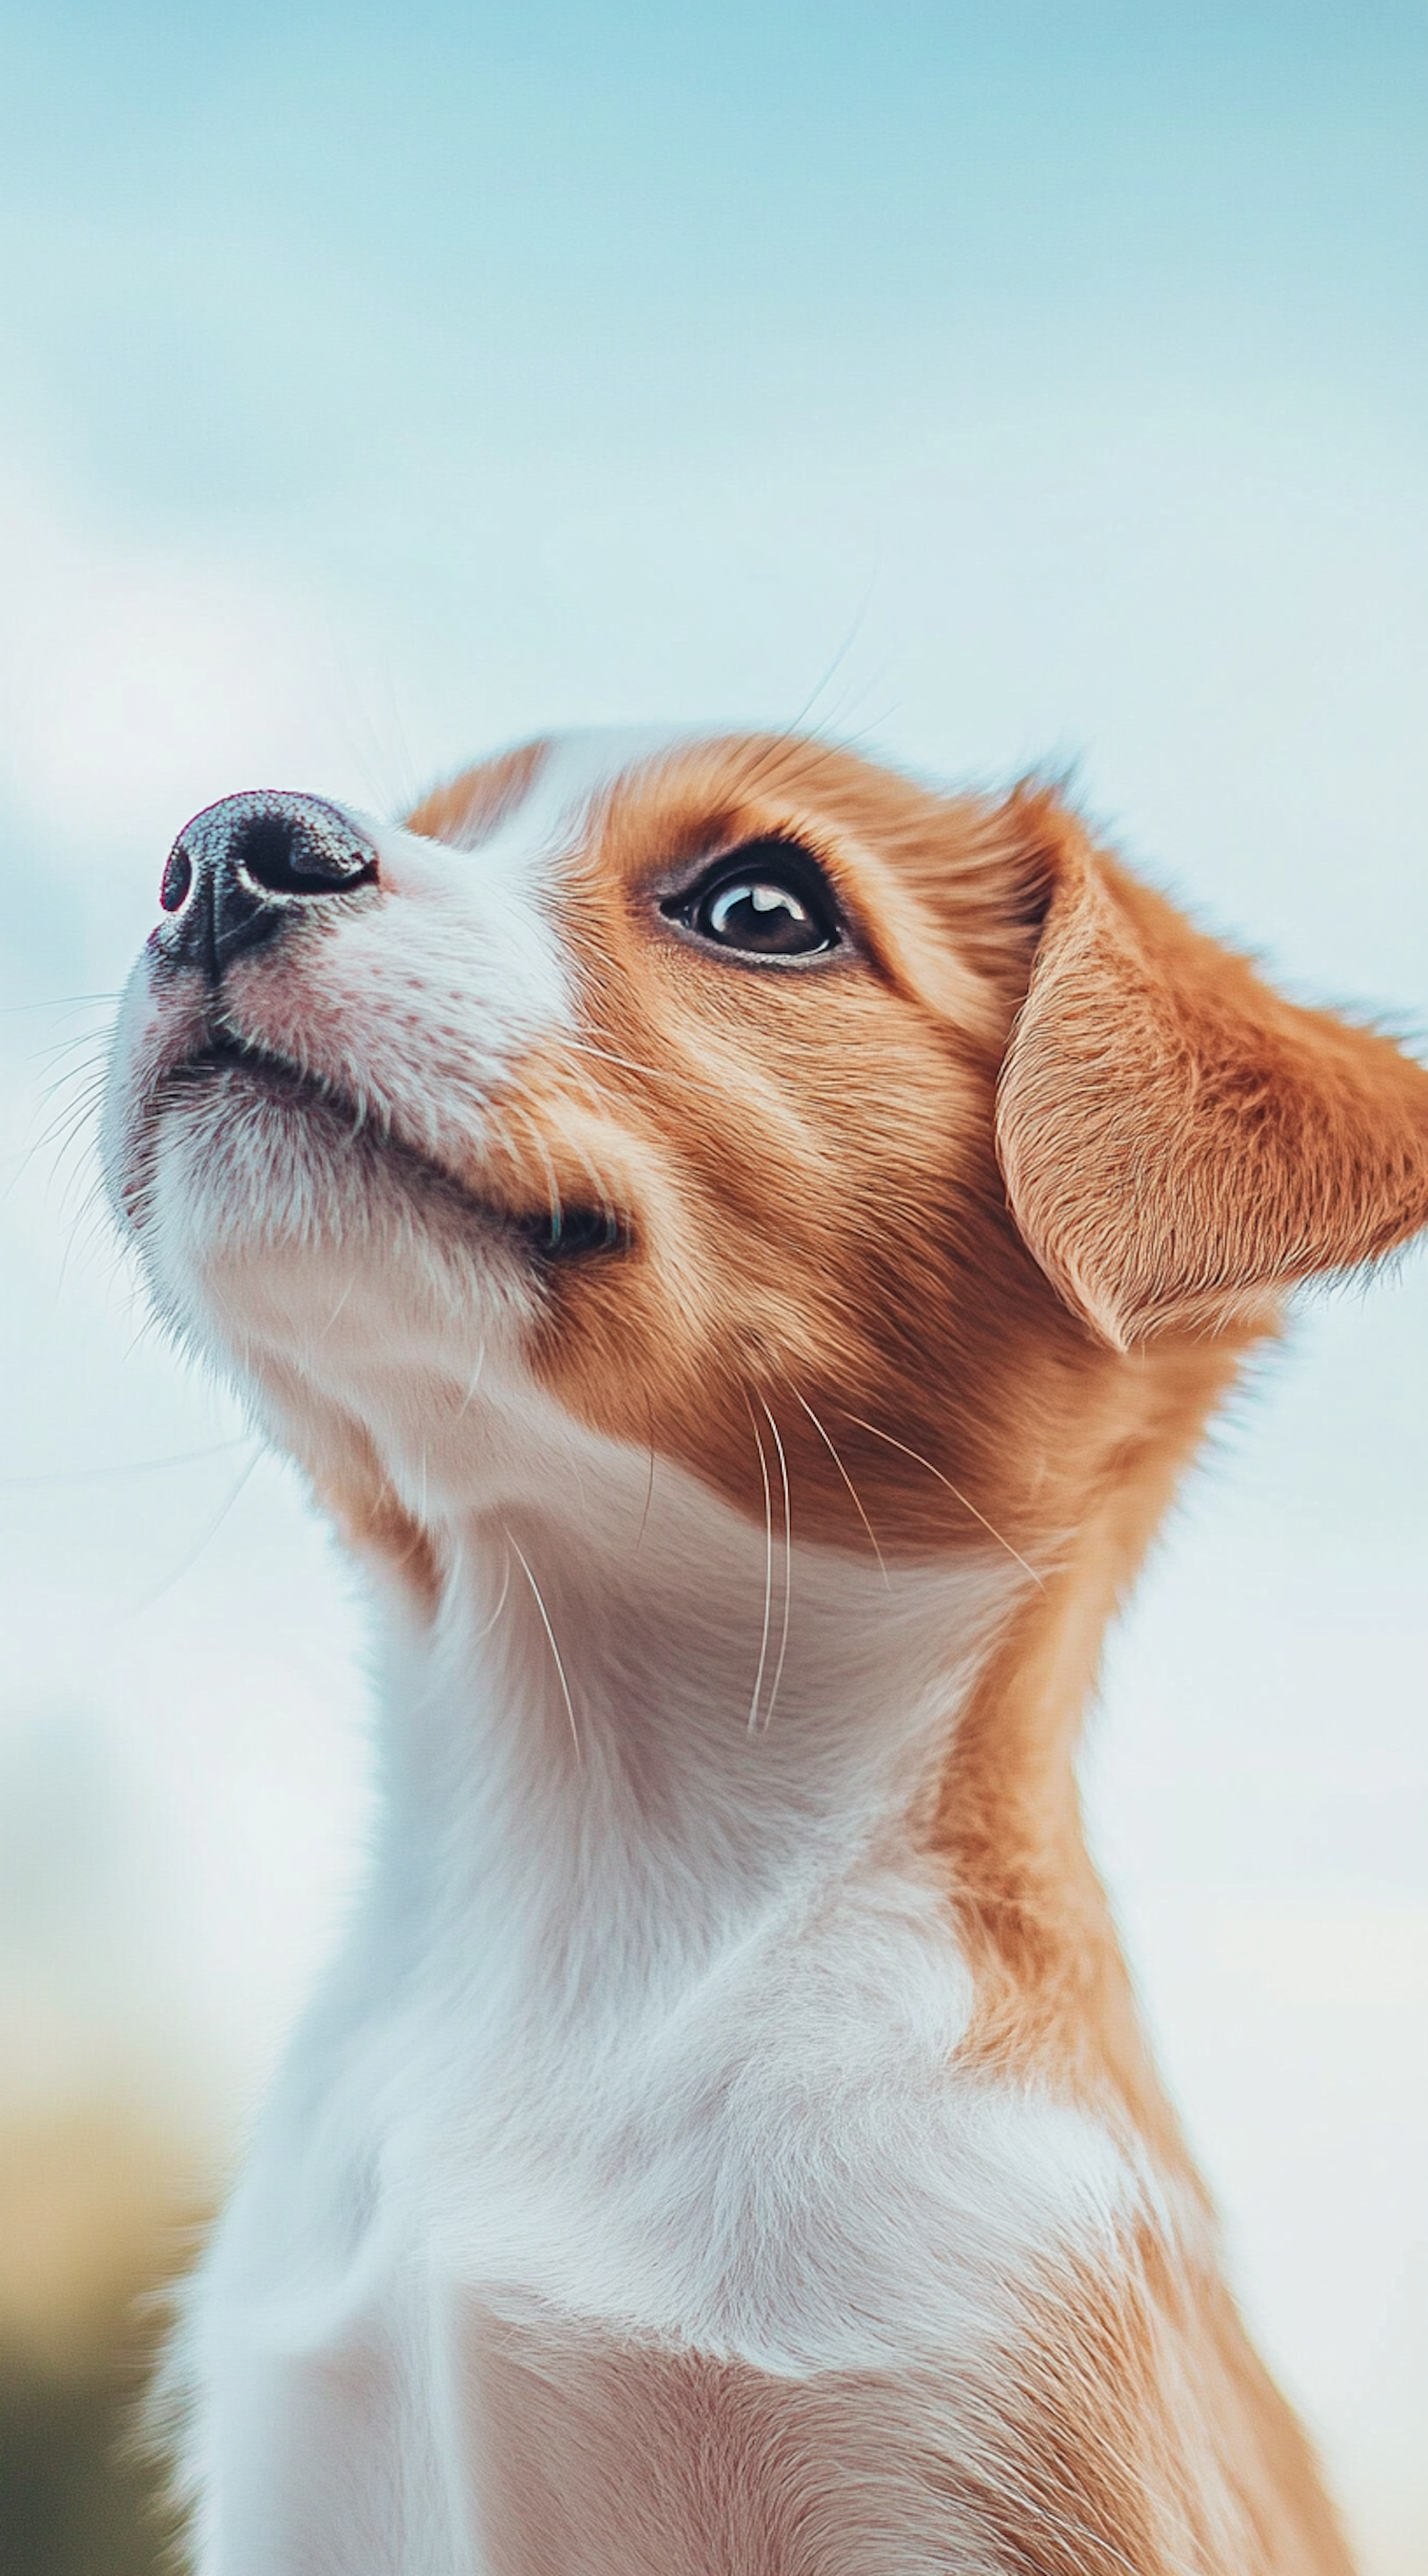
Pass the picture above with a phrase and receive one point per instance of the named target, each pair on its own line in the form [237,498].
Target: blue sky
[996,385]
[1057,373]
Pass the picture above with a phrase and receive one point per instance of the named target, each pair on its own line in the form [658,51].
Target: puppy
[743,1246]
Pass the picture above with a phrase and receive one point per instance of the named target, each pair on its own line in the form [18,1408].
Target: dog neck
[626,1725]
[636,1721]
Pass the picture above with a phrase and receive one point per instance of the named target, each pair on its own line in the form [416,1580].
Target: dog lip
[223,1051]
[551,1234]
[226,1051]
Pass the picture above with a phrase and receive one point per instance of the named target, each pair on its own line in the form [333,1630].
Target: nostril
[266,849]
[303,851]
[177,882]
[245,869]
[263,849]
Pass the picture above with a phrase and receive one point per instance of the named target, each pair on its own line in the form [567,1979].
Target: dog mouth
[274,1074]
[557,1232]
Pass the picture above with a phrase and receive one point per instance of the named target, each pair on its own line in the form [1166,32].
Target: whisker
[603,1199]
[71,1115]
[783,746]
[610,1208]
[796,726]
[483,1633]
[779,754]
[650,1479]
[337,1309]
[181,1572]
[469,1397]
[52,1057]
[371,754]
[787,1567]
[91,1234]
[550,1640]
[543,1154]
[753,1719]
[128,1467]
[412,788]
[847,1479]
[64,1128]
[59,1002]
[630,1064]
[953,1490]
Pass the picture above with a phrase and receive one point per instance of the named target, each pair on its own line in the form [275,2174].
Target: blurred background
[986,385]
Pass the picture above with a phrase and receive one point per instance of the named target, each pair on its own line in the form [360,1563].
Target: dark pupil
[762,914]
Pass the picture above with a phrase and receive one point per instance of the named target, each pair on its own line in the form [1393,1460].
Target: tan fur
[1179,1143]
[372,1522]
[1131,2429]
[980,1224]
[934,1252]
[467,810]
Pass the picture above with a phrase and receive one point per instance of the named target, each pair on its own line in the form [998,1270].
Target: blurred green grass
[75,2498]
[96,2212]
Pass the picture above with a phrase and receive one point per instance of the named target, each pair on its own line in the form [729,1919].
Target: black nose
[243,870]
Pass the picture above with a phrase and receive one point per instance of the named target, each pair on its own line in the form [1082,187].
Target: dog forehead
[575,773]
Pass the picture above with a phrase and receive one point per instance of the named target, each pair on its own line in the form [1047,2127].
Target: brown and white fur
[726,2145]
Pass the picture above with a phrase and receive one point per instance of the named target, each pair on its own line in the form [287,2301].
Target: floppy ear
[1179,1143]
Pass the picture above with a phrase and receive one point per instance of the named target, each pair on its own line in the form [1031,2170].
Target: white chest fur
[645,2035]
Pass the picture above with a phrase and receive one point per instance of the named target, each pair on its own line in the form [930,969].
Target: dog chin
[273,1226]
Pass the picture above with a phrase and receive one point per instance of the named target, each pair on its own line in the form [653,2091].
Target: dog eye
[766,900]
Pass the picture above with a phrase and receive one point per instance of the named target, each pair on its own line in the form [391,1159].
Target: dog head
[742,1104]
